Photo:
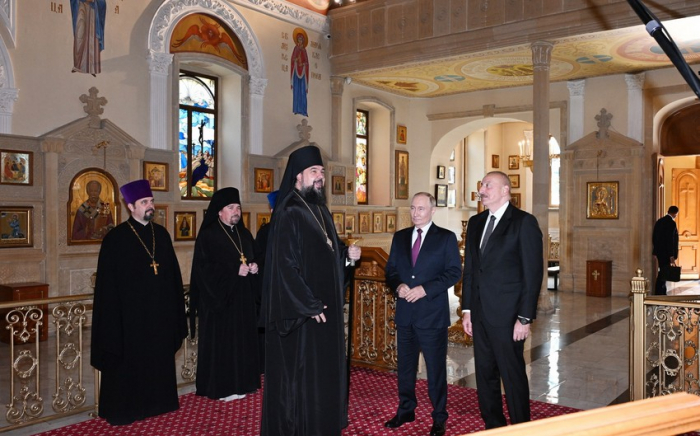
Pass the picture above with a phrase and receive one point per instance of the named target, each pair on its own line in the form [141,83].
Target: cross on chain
[155,266]
[243,259]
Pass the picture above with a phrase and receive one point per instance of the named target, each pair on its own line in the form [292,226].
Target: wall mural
[299,74]
[200,33]
[88,34]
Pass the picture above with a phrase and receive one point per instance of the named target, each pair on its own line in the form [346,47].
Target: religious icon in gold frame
[93,207]
[602,200]
[262,219]
[365,222]
[16,227]
[17,167]
[161,216]
[401,170]
[185,226]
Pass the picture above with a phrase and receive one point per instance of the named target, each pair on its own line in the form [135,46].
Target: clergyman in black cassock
[138,319]
[261,238]
[305,390]
[222,293]
[665,242]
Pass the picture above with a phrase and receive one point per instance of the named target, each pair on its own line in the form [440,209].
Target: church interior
[575,101]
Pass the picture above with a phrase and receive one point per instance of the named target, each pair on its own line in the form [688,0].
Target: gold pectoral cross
[155,266]
[243,259]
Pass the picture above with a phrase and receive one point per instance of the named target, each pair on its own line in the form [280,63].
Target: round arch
[171,11]
[8,92]
[447,142]
[160,60]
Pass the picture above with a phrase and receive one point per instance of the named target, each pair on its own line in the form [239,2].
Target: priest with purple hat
[138,319]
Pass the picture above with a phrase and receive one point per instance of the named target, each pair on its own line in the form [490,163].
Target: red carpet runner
[373,400]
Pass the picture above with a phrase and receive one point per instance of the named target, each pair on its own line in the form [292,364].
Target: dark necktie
[416,247]
[487,235]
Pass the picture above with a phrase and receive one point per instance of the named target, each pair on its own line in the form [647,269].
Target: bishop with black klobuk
[306,268]
[223,290]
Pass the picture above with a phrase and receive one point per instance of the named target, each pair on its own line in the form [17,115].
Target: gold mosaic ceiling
[620,51]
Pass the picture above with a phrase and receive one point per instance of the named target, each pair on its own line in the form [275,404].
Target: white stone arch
[162,25]
[451,218]
[8,92]
[665,112]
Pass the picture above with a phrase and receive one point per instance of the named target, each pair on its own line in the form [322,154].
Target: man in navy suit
[423,264]
[665,241]
[503,270]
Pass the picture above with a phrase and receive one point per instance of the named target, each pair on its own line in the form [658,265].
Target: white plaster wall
[280,123]
[43,60]
[49,91]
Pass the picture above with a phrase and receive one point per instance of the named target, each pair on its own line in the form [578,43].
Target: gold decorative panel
[373,307]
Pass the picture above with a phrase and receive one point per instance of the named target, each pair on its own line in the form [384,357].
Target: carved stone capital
[8,97]
[635,81]
[257,85]
[576,87]
[53,145]
[159,63]
[541,54]
[337,85]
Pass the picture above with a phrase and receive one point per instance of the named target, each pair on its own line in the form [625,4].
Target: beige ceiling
[619,51]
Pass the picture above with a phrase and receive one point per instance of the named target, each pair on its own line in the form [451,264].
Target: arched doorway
[678,178]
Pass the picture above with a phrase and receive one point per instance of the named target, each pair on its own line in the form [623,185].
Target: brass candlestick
[352,241]
[455,332]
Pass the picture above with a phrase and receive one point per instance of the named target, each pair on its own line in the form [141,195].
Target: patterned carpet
[373,400]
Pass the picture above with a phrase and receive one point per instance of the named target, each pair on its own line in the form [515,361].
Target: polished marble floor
[577,355]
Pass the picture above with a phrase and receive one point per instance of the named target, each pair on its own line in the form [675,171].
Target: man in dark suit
[424,262]
[665,241]
[503,270]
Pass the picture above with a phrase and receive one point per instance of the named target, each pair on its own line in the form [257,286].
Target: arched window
[197,132]
[362,156]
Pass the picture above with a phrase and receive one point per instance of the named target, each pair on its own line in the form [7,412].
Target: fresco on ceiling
[200,33]
[646,50]
[615,52]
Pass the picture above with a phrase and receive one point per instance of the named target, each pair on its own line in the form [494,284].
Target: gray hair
[433,202]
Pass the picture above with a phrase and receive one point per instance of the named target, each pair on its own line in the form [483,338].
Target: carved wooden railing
[372,311]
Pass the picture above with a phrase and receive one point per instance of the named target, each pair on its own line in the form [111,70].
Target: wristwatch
[524,321]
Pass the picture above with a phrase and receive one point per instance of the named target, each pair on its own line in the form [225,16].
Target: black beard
[311,195]
[148,215]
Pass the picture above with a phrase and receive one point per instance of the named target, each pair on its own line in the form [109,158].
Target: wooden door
[686,195]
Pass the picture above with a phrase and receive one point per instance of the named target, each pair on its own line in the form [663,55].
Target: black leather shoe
[397,421]
[438,429]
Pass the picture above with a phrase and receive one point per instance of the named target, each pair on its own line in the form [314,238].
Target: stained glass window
[197,135]
[361,156]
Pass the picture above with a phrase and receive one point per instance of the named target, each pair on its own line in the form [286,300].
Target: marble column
[541,58]
[159,66]
[635,106]
[337,88]
[52,149]
[577,90]
[8,97]
[255,115]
